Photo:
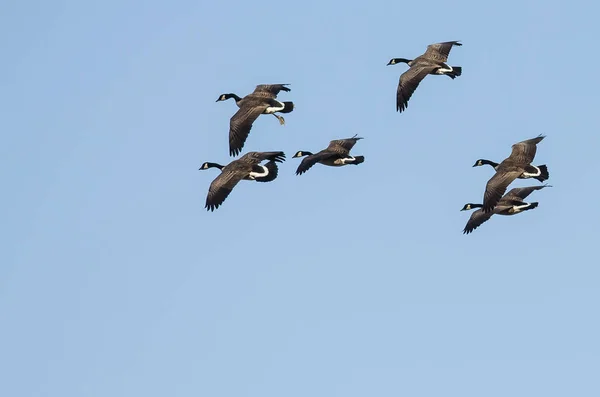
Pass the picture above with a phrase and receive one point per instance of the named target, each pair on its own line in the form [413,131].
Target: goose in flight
[247,167]
[433,61]
[510,204]
[518,164]
[336,154]
[261,101]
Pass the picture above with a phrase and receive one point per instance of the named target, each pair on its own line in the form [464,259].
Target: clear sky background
[354,281]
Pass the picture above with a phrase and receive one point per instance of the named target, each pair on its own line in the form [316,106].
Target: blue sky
[341,282]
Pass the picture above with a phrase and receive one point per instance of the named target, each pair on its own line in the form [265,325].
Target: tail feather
[544,173]
[358,160]
[456,71]
[273,171]
[287,107]
[531,206]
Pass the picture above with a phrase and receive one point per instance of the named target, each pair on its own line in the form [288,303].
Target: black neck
[225,97]
[395,61]
[489,163]
[213,165]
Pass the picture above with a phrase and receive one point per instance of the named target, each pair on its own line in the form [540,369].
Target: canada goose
[270,171]
[510,204]
[246,167]
[261,101]
[516,165]
[336,154]
[433,61]
[544,175]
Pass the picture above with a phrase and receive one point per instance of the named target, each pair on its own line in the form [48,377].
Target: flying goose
[261,101]
[260,173]
[516,165]
[544,175]
[433,61]
[511,204]
[246,167]
[336,154]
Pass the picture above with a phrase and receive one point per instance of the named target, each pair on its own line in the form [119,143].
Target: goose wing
[495,188]
[222,185]
[522,192]
[257,157]
[409,81]
[524,152]
[477,219]
[269,90]
[241,124]
[343,145]
[440,51]
[313,159]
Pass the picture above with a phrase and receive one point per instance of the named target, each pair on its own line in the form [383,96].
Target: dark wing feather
[440,51]
[269,90]
[344,144]
[257,157]
[221,187]
[495,188]
[522,192]
[313,159]
[477,218]
[524,152]
[409,81]
[240,126]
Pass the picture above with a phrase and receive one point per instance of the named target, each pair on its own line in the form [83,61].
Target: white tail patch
[254,175]
[533,175]
[444,70]
[519,208]
[273,109]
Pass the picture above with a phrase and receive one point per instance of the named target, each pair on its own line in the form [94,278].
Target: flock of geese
[516,166]
[263,100]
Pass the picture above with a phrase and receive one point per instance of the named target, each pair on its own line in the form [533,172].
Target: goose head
[224,97]
[481,162]
[301,153]
[395,61]
[208,165]
[470,206]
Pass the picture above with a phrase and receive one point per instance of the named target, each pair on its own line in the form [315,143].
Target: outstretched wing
[257,157]
[440,51]
[313,159]
[221,187]
[522,192]
[409,81]
[241,124]
[343,145]
[477,218]
[495,188]
[524,152]
[269,90]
